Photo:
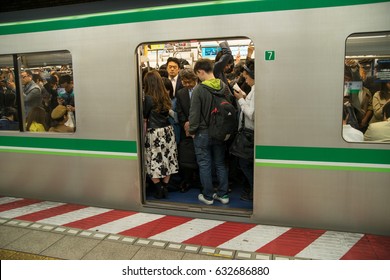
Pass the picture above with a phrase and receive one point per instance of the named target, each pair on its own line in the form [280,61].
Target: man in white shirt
[173,67]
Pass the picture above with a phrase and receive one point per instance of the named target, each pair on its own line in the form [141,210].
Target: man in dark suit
[173,68]
[187,158]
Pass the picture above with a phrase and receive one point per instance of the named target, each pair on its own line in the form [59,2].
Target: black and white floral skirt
[161,152]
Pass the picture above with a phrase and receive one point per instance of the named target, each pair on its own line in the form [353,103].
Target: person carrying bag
[243,143]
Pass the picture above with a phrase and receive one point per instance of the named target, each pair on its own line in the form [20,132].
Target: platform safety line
[66,152]
[72,216]
[18,203]
[351,166]
[291,242]
[255,238]
[155,227]
[187,230]
[48,213]
[5,200]
[331,245]
[126,223]
[20,212]
[220,234]
[370,247]
[99,219]
[321,244]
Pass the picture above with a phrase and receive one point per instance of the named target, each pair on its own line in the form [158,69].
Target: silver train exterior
[306,175]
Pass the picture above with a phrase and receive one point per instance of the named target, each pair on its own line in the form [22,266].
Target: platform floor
[34,229]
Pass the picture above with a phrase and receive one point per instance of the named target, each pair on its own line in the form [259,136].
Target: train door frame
[217,208]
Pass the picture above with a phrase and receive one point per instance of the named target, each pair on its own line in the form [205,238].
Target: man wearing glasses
[31,92]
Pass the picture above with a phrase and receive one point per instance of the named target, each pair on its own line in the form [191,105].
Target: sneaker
[224,199]
[205,200]
[246,197]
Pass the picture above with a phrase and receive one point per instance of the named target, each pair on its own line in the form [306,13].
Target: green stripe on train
[364,156]
[116,146]
[92,147]
[72,154]
[323,167]
[211,8]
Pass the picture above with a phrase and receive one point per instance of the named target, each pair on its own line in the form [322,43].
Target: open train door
[154,56]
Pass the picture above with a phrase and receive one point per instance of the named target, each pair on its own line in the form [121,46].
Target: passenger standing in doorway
[224,63]
[187,159]
[247,106]
[172,112]
[160,144]
[208,151]
[173,68]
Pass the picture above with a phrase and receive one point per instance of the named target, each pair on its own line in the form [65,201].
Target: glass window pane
[367,88]
[48,92]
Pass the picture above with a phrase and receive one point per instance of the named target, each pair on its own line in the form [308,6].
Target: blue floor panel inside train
[191,196]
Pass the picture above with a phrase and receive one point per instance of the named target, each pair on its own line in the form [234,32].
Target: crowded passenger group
[177,118]
[48,102]
[366,109]
[176,111]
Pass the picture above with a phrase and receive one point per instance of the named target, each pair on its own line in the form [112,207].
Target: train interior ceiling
[373,49]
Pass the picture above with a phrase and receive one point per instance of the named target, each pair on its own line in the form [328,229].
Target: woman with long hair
[160,143]
[36,120]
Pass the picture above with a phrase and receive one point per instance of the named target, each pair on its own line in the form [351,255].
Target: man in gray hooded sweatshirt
[208,150]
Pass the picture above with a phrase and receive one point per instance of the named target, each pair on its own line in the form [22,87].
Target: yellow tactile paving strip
[15,255]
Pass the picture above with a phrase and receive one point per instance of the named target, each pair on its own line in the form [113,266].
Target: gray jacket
[201,105]
[32,96]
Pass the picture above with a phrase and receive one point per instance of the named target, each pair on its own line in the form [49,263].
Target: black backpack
[223,121]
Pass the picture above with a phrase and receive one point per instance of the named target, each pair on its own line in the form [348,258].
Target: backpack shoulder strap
[212,102]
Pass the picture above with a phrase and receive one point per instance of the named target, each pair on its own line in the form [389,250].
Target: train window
[366,99]
[41,85]
[174,61]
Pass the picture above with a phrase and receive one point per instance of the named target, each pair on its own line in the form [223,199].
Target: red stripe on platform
[17,204]
[219,234]
[155,227]
[99,219]
[370,247]
[291,242]
[51,212]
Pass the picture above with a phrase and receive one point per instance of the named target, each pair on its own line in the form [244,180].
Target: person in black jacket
[208,151]
[224,62]
[187,159]
[160,143]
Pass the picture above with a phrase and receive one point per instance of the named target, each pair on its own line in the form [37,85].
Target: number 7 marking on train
[269,55]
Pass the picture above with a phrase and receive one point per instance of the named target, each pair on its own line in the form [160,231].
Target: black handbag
[187,157]
[243,143]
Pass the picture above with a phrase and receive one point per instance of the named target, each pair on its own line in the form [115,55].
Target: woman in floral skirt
[160,144]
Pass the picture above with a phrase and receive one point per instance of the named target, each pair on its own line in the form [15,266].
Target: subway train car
[306,174]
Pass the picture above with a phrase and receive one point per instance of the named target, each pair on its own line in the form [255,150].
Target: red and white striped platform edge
[284,241]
